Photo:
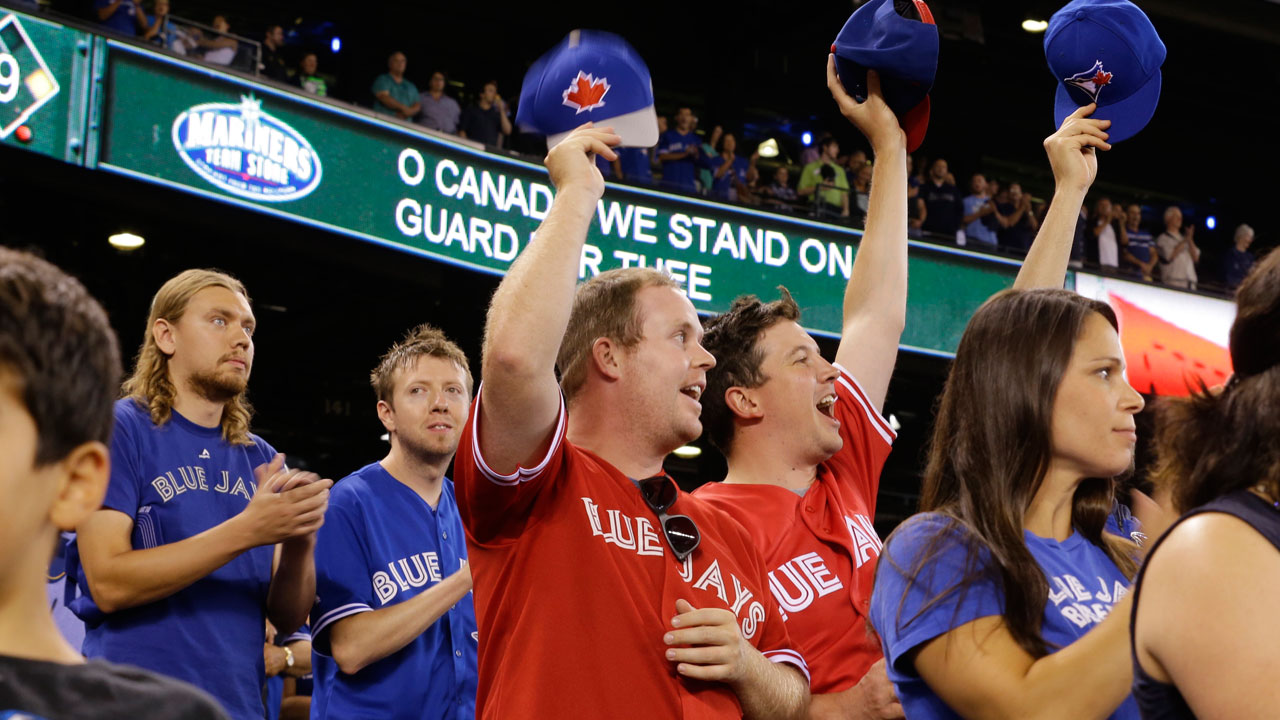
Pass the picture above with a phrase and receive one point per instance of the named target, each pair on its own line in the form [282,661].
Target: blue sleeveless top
[1163,701]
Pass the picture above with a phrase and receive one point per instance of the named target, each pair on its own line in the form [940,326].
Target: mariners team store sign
[236,141]
[246,152]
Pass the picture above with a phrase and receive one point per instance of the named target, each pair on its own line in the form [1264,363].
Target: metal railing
[189,38]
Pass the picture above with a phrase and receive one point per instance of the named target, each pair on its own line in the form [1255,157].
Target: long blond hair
[151,386]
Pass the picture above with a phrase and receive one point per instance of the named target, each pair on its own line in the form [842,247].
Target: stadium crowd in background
[822,183]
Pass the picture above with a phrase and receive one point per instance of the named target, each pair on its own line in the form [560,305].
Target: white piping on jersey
[521,474]
[791,657]
[337,614]
[877,420]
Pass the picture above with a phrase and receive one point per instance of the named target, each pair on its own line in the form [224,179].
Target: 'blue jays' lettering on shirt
[679,174]
[1083,586]
[175,481]
[382,544]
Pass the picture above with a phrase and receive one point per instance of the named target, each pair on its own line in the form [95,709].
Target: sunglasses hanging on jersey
[660,493]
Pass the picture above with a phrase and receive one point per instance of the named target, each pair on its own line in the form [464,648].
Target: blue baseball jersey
[635,164]
[177,480]
[123,20]
[1084,584]
[679,174]
[382,544]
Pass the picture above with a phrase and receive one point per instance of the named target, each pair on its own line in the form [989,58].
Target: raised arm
[1072,155]
[530,309]
[875,300]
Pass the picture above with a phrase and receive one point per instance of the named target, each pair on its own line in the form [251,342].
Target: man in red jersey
[805,440]
[601,590]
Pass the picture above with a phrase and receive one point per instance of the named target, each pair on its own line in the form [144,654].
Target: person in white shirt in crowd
[1178,251]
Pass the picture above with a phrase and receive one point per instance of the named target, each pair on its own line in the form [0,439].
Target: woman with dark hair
[729,169]
[994,601]
[1206,641]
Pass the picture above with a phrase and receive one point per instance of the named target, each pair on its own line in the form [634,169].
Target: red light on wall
[1163,358]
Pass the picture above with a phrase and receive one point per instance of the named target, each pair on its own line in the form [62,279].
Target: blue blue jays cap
[1108,52]
[903,50]
[589,76]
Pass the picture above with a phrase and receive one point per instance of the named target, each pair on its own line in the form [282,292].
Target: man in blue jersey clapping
[204,534]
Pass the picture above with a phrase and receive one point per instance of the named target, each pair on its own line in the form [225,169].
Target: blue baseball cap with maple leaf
[902,49]
[1108,52]
[593,76]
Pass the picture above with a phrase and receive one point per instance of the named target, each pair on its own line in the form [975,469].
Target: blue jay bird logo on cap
[1091,81]
[586,92]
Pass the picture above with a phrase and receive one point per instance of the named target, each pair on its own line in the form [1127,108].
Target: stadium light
[126,241]
[336,44]
[1035,26]
[1211,222]
[768,148]
[687,451]
[893,422]
[806,138]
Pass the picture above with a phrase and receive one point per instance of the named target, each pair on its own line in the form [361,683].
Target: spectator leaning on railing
[486,120]
[1018,223]
[779,194]
[219,48]
[826,182]
[307,77]
[729,170]
[977,207]
[678,149]
[1239,260]
[393,93]
[1138,254]
[273,63]
[159,30]
[1178,251]
[1107,231]
[941,200]
[121,16]
[439,111]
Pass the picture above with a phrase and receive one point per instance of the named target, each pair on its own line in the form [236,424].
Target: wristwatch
[288,656]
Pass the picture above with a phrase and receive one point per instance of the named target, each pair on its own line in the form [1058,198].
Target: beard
[426,452]
[218,387]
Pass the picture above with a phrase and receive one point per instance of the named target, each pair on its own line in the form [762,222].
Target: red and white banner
[1170,338]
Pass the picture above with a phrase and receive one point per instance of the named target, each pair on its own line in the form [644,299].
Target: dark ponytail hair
[1215,442]
[992,445]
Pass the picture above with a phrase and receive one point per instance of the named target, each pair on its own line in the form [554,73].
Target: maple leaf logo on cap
[1091,81]
[586,92]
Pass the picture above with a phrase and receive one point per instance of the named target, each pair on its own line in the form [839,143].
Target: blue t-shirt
[678,174]
[978,231]
[177,480]
[382,544]
[635,165]
[123,20]
[1083,586]
[1141,245]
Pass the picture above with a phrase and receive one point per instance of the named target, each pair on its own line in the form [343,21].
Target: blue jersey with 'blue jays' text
[382,544]
[910,608]
[177,480]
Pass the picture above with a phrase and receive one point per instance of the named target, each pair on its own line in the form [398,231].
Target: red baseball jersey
[821,549]
[575,587]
